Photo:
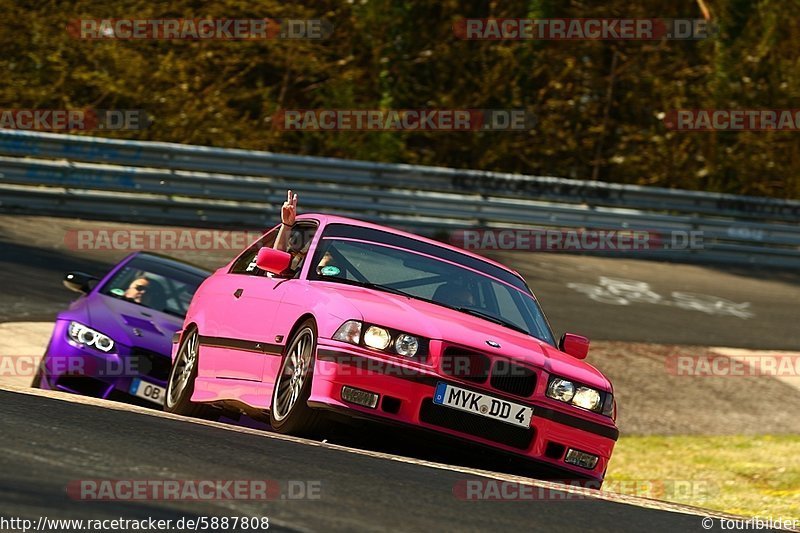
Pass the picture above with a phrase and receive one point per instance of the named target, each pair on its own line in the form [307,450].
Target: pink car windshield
[386,266]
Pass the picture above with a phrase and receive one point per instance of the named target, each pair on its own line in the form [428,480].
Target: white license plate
[483,405]
[148,391]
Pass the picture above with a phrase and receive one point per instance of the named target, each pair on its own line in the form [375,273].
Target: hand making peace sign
[289,209]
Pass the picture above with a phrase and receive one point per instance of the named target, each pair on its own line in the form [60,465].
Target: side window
[299,243]
[246,263]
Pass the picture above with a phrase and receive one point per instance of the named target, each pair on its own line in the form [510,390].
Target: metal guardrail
[164,183]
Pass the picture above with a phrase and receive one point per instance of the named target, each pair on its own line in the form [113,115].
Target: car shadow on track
[419,445]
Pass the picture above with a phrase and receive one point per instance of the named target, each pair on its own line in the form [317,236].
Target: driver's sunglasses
[140,288]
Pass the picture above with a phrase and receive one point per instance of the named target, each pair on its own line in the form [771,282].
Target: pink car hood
[438,322]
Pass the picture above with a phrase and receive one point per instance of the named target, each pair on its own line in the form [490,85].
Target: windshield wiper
[492,318]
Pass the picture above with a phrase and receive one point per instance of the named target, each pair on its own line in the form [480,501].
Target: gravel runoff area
[654,399]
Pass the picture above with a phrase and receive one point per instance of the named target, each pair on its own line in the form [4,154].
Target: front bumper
[71,367]
[406,397]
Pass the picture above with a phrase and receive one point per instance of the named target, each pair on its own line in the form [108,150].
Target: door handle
[237,293]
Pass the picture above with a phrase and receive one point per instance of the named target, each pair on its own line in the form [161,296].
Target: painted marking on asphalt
[618,291]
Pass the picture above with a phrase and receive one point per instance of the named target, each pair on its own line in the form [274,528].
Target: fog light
[582,459]
[359,397]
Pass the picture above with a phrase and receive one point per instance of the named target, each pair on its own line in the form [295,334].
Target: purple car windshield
[154,285]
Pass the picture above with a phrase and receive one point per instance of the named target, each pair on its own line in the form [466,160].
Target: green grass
[744,475]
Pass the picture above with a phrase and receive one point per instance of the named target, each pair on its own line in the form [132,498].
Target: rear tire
[180,385]
[289,411]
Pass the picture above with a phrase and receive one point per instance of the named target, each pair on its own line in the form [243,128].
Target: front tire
[180,385]
[289,411]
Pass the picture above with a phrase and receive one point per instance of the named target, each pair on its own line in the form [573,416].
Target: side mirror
[273,261]
[79,282]
[574,345]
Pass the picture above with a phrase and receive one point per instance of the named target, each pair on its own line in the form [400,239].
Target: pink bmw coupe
[372,322]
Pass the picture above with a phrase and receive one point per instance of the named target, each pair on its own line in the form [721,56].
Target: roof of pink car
[331,219]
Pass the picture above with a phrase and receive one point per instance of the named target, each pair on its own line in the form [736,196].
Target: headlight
[387,340]
[587,398]
[89,337]
[377,337]
[406,345]
[350,332]
[561,390]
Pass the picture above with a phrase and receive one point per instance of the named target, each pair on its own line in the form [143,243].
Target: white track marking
[617,291]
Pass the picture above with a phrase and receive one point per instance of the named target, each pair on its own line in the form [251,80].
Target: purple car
[114,342]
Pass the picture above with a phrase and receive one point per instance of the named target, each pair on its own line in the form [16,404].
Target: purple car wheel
[289,411]
[181,379]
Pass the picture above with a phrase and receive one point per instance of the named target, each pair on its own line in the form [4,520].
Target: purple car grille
[152,364]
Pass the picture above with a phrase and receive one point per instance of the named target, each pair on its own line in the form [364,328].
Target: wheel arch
[176,345]
[297,323]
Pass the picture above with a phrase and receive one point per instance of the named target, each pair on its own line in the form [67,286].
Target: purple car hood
[132,324]
[438,322]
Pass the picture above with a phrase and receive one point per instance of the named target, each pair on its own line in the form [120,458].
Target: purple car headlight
[88,337]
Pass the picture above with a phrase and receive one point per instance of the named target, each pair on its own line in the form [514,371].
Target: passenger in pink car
[284,239]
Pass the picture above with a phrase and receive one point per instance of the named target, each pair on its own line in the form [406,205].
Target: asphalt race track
[46,443]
